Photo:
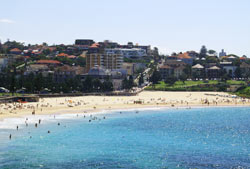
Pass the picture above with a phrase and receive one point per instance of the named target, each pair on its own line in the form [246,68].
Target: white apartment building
[128,53]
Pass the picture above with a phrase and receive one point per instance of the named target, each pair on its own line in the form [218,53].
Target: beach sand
[146,99]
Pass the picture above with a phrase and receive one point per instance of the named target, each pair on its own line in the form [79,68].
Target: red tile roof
[63,55]
[95,45]
[15,50]
[71,56]
[48,62]
[184,56]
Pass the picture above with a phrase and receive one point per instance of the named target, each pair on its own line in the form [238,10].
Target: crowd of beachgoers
[87,106]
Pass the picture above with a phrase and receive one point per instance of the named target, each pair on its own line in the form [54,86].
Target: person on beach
[16,127]
[10,137]
[36,125]
[39,121]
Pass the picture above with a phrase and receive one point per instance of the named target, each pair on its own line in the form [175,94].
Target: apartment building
[107,61]
[128,53]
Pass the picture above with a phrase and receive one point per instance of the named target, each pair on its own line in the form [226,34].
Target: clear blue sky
[171,25]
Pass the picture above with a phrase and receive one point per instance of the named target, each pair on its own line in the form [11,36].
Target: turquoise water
[166,138]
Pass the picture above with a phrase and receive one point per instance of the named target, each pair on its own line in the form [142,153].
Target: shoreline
[102,104]
[20,121]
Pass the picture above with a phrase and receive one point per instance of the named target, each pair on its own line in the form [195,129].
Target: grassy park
[210,85]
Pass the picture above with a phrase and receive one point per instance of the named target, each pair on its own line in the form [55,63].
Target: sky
[170,25]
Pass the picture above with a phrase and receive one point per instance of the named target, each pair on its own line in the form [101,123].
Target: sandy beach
[146,99]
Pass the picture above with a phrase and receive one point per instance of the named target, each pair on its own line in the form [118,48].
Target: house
[49,62]
[129,67]
[116,76]
[94,48]
[71,57]
[65,72]
[178,71]
[166,71]
[62,55]
[175,63]
[193,54]
[243,58]
[36,69]
[229,68]
[15,51]
[229,58]
[213,72]
[185,58]
[198,71]
[172,67]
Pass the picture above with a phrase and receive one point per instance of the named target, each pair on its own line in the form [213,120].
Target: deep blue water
[183,138]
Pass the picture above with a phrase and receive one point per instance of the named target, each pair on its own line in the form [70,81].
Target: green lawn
[192,85]
[9,94]
[244,92]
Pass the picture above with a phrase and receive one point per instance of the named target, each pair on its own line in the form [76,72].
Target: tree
[156,77]
[171,80]
[29,83]
[203,51]
[81,61]
[88,84]
[238,73]
[141,79]
[13,81]
[128,83]
[107,85]
[46,52]
[188,71]
[183,77]
[211,51]
[38,82]
[131,82]
[97,85]
[224,76]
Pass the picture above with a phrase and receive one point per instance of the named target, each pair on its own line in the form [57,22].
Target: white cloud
[6,21]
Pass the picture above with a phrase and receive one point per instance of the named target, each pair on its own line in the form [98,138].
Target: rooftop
[15,50]
[198,66]
[48,62]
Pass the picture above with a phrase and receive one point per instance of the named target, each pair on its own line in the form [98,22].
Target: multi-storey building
[87,42]
[107,61]
[128,53]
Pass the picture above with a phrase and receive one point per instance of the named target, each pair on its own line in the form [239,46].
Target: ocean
[132,139]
